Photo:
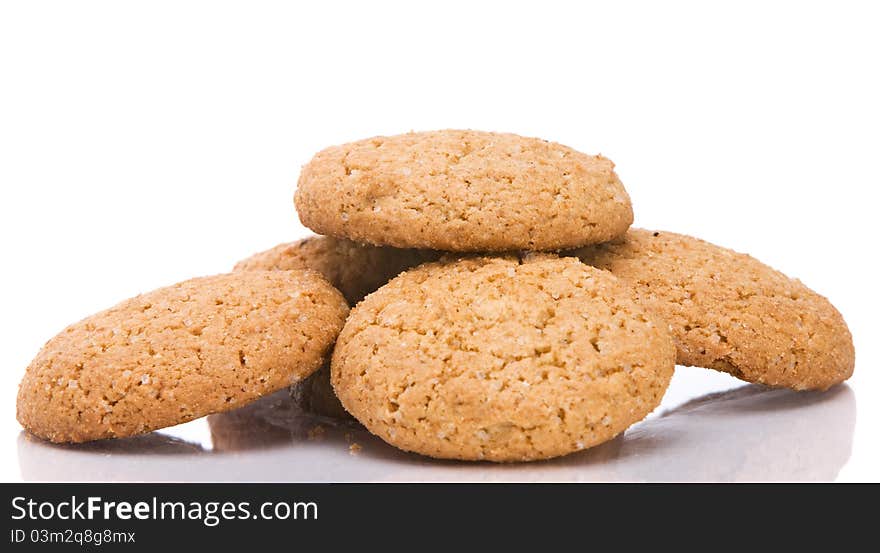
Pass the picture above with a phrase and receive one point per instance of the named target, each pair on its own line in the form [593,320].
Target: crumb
[316,432]
[355,448]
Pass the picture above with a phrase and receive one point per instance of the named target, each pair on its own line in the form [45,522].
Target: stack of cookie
[501,309]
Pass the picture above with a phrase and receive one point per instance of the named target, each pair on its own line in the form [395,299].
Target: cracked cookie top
[178,353]
[459,190]
[730,312]
[502,359]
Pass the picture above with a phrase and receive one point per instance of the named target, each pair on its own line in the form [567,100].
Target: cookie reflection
[273,421]
[750,433]
[149,457]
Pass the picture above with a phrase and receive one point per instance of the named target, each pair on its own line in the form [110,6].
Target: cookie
[354,269]
[178,353]
[730,312]
[463,191]
[502,359]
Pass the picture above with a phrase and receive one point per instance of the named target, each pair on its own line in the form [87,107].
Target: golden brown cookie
[178,353]
[463,191]
[730,312]
[354,269]
[501,359]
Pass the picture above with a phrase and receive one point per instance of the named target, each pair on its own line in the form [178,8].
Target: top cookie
[354,269]
[463,191]
[178,353]
[500,358]
[730,312]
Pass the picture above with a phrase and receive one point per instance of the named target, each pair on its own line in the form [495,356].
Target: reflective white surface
[742,433]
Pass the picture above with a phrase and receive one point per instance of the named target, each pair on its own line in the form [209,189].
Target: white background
[142,143]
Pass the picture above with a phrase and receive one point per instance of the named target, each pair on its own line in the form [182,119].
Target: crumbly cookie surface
[730,312]
[178,353]
[354,269]
[502,359]
[463,191]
